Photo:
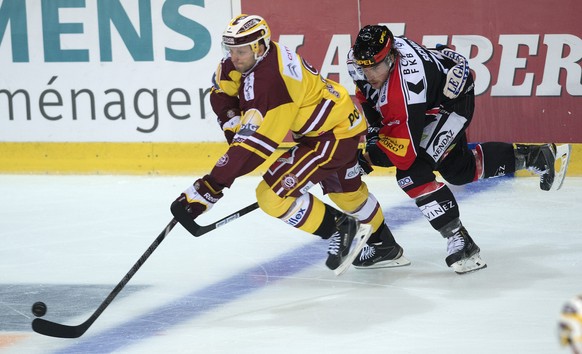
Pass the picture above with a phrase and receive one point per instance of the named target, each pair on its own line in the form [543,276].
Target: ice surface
[257,285]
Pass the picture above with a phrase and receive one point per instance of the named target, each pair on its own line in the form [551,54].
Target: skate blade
[364,233]
[563,153]
[468,265]
[393,263]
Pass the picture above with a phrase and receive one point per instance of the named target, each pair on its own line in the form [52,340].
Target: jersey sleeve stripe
[318,117]
[260,144]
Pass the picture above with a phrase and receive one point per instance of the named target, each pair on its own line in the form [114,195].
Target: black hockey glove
[366,167]
[378,157]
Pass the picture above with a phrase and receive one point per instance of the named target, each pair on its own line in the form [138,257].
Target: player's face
[243,57]
[378,74]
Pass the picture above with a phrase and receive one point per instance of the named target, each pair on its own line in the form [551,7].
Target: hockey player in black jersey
[419,103]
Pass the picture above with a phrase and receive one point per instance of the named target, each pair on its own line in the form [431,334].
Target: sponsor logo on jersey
[397,146]
[297,217]
[355,118]
[249,87]
[442,138]
[291,64]
[441,143]
[332,90]
[306,187]
[405,182]
[412,71]
[420,50]
[353,172]
[250,122]
[434,209]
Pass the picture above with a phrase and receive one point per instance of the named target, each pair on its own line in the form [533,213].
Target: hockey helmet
[247,30]
[373,44]
[570,324]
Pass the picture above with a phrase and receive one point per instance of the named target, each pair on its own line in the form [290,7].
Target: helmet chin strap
[255,52]
[258,58]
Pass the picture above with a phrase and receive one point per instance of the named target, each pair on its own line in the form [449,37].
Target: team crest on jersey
[289,181]
[222,161]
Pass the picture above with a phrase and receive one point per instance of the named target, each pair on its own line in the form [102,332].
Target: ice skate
[348,228]
[563,153]
[385,253]
[542,160]
[463,253]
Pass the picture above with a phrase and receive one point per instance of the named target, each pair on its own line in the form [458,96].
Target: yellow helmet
[247,30]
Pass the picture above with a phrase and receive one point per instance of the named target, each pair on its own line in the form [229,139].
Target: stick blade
[53,329]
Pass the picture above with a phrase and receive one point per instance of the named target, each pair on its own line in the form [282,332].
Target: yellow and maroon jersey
[281,93]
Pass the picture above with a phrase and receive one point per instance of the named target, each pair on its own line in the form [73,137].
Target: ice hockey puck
[39,309]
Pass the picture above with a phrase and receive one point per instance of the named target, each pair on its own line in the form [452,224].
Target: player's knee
[459,179]
[270,202]
[360,204]
[350,201]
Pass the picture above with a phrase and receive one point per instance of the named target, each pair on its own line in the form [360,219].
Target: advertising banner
[140,70]
[109,70]
[526,57]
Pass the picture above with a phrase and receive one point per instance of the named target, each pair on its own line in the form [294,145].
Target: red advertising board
[526,55]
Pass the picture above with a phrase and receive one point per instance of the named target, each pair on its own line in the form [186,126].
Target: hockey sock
[328,224]
[498,159]
[439,207]
[383,234]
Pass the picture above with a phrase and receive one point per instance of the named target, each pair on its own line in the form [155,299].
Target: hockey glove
[457,75]
[372,136]
[378,157]
[195,200]
[365,166]
[230,124]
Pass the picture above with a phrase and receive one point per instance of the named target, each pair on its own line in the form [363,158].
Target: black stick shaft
[53,329]
[202,229]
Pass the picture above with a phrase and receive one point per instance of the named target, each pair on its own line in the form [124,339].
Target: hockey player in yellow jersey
[261,92]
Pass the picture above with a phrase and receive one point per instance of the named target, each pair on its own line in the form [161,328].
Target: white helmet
[570,324]
[247,30]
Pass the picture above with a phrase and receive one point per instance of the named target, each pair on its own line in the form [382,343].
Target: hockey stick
[202,229]
[198,230]
[54,329]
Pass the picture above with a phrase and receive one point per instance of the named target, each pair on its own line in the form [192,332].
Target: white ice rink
[259,286]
